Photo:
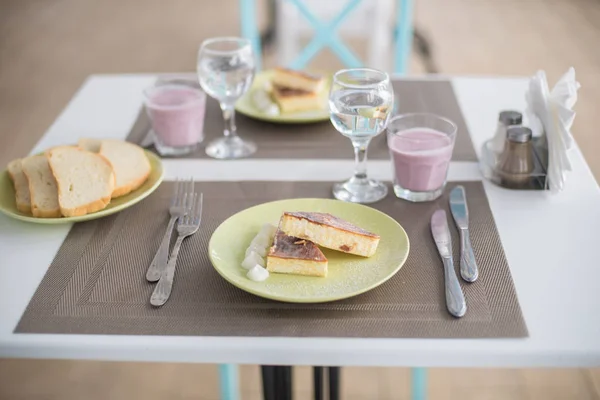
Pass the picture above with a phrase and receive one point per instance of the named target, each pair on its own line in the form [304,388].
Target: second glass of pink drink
[421,148]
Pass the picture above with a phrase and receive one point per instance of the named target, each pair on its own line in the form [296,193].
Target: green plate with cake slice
[347,274]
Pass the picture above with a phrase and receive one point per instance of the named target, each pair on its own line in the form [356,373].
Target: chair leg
[334,383]
[249,28]
[404,14]
[419,384]
[228,376]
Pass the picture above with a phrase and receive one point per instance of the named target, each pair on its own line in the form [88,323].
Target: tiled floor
[48,47]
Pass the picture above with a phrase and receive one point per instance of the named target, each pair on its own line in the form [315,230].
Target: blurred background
[49,47]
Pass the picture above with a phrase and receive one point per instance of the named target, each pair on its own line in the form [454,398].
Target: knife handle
[455,299]
[468,266]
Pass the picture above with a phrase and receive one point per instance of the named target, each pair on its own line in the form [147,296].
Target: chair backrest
[325,18]
[352,19]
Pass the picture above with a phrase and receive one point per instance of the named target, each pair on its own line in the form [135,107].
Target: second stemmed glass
[360,102]
[225,70]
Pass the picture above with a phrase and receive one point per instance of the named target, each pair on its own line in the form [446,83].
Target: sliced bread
[42,187]
[85,180]
[129,162]
[21,184]
[92,145]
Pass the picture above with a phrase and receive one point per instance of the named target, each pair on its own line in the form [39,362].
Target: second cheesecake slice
[329,231]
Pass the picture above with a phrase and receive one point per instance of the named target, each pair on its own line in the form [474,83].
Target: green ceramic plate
[245,105]
[348,275]
[9,207]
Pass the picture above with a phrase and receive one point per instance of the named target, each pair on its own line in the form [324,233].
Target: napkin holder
[550,117]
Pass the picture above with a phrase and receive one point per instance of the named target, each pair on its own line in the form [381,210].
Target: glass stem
[360,158]
[230,130]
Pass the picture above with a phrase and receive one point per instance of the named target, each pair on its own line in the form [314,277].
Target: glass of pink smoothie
[177,114]
[420,147]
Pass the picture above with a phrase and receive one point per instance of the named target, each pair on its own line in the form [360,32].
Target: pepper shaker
[505,119]
[516,160]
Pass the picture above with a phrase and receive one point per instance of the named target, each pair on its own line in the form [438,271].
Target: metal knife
[460,212]
[455,299]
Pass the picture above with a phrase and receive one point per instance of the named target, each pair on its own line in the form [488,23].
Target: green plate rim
[311,301]
[251,112]
[136,198]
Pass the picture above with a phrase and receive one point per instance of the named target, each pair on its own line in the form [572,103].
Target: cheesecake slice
[329,231]
[294,100]
[297,80]
[291,255]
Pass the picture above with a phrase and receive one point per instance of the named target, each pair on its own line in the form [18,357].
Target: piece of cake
[297,80]
[291,255]
[293,100]
[329,231]
[21,185]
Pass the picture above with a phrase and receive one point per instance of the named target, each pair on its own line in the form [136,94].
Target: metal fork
[187,226]
[177,209]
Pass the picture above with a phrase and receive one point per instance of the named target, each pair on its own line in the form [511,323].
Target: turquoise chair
[325,34]
[325,37]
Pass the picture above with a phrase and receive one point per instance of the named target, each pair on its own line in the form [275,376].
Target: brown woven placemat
[96,283]
[321,140]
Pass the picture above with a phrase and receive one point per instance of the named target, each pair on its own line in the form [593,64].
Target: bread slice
[92,145]
[42,187]
[129,162]
[329,231]
[21,184]
[85,180]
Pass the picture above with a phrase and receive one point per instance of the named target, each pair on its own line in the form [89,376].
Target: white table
[550,243]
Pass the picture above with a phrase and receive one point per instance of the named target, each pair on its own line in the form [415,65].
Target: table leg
[268,382]
[334,383]
[318,383]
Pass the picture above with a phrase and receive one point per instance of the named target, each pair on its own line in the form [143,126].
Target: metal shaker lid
[509,117]
[519,134]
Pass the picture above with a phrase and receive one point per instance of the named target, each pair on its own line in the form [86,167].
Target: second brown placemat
[96,283]
[321,140]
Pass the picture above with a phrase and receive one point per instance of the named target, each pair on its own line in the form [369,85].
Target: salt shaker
[505,119]
[515,164]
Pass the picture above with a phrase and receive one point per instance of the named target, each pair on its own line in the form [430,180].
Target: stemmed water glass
[360,102]
[225,70]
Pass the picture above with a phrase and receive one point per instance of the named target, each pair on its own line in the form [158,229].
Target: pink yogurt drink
[177,115]
[420,158]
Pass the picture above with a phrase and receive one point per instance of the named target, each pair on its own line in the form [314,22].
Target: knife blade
[460,212]
[455,299]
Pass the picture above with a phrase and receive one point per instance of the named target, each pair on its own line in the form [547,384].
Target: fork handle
[162,291]
[159,263]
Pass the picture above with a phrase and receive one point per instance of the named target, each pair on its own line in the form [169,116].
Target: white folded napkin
[551,115]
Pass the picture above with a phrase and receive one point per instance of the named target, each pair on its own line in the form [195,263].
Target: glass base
[230,148]
[417,197]
[175,151]
[360,190]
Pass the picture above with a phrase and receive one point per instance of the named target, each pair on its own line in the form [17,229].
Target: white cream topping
[257,251]
[251,260]
[257,273]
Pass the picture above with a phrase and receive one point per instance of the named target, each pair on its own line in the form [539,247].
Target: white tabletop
[549,242]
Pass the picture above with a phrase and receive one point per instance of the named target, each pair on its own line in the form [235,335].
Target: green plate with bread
[69,184]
